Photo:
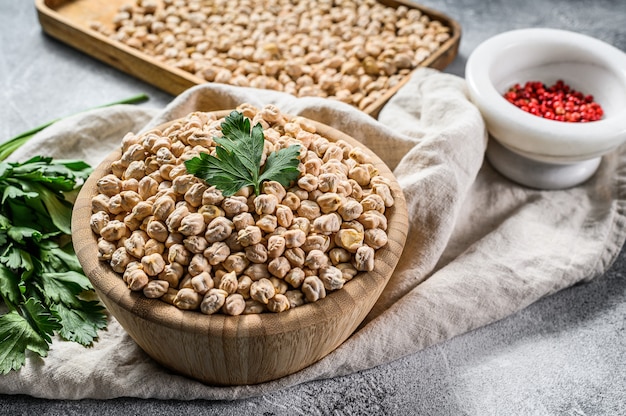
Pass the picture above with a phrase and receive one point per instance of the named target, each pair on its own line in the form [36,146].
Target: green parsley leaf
[64,287]
[30,330]
[9,285]
[237,160]
[58,258]
[18,234]
[81,324]
[282,166]
[16,258]
[17,336]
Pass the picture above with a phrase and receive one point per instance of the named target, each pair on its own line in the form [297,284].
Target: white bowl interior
[574,64]
[586,64]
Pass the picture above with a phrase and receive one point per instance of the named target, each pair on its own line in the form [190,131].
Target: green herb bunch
[237,160]
[42,286]
[41,281]
[43,290]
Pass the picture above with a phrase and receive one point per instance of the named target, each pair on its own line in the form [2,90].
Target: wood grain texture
[68,21]
[246,349]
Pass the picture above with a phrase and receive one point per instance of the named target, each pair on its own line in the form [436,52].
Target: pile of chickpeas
[349,50]
[174,237]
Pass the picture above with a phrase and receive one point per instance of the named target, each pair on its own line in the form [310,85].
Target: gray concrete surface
[564,355]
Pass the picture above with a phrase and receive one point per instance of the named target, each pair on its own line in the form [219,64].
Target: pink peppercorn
[557,102]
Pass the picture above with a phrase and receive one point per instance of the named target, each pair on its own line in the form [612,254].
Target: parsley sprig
[43,290]
[237,160]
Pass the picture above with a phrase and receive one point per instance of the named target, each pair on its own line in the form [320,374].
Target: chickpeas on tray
[358,52]
[324,269]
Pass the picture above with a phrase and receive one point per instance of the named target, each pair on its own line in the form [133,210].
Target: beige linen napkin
[480,247]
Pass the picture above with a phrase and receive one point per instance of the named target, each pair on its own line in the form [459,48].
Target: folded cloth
[480,247]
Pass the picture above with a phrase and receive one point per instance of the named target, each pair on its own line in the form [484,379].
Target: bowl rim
[606,133]
[109,285]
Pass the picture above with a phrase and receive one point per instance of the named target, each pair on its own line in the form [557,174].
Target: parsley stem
[14,143]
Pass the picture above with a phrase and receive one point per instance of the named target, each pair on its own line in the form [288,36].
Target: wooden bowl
[245,349]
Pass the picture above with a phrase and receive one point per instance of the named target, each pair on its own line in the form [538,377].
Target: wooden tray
[68,21]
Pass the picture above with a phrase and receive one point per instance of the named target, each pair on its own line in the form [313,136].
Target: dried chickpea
[348,271]
[212,196]
[364,259]
[294,238]
[295,298]
[291,200]
[213,301]
[219,229]
[177,253]
[153,264]
[192,224]
[210,212]
[99,203]
[98,220]
[274,188]
[284,215]
[155,289]
[327,224]
[267,223]
[120,259]
[375,238]
[243,286]
[279,267]
[234,205]
[217,253]
[373,219]
[295,277]
[319,242]
[236,262]
[262,290]
[194,194]
[384,192]
[316,259]
[229,282]
[195,244]
[301,223]
[253,307]
[109,185]
[198,264]
[256,253]
[105,249]
[187,299]
[308,182]
[279,303]
[172,273]
[309,210]
[313,289]
[349,239]
[373,202]
[265,204]
[339,255]
[243,220]
[257,271]
[275,246]
[234,304]
[329,202]
[136,280]
[250,235]
[295,256]
[331,277]
[129,200]
[157,230]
